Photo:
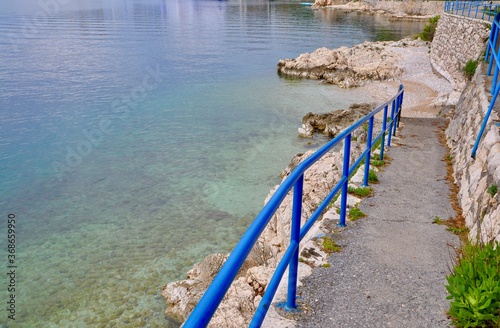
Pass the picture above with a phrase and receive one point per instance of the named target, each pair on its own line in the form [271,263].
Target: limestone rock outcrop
[345,67]
[330,124]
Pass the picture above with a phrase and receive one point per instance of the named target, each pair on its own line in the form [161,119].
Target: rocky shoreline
[413,10]
[426,93]
[331,124]
[245,293]
[345,67]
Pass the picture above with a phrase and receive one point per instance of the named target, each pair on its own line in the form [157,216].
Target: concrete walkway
[392,267]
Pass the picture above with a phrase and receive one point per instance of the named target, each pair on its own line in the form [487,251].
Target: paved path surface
[391,271]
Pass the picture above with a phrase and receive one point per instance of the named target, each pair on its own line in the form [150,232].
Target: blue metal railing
[485,10]
[492,54]
[203,312]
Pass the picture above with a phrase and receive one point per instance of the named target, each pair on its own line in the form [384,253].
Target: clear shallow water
[136,137]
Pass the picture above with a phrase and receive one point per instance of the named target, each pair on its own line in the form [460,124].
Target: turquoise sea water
[137,137]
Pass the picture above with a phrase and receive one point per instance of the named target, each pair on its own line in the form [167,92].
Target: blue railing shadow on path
[206,307]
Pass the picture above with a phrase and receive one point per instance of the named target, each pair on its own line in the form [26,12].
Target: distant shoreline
[395,10]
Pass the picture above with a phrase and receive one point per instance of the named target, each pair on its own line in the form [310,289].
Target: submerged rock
[345,67]
[182,296]
[239,304]
[330,124]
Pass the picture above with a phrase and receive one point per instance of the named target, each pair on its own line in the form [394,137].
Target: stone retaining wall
[457,40]
[481,210]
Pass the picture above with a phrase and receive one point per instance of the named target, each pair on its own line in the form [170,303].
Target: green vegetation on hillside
[492,190]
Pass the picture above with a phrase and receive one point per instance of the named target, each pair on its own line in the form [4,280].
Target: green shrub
[372,176]
[457,230]
[360,191]
[330,246]
[430,29]
[492,190]
[470,68]
[474,287]
[437,220]
[355,213]
[377,162]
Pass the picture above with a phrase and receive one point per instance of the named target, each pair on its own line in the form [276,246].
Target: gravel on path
[392,267]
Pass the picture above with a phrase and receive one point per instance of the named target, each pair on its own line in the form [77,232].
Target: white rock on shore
[330,124]
[345,67]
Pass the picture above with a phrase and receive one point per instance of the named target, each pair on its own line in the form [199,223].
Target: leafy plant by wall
[430,29]
[470,68]
[474,287]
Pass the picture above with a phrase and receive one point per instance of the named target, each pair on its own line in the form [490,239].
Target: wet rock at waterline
[330,124]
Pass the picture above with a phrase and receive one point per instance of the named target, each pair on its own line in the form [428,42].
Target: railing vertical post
[494,58]
[295,237]
[400,104]
[369,152]
[395,117]
[391,125]
[384,127]
[494,81]
[345,175]
[494,50]
[488,53]
[489,47]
